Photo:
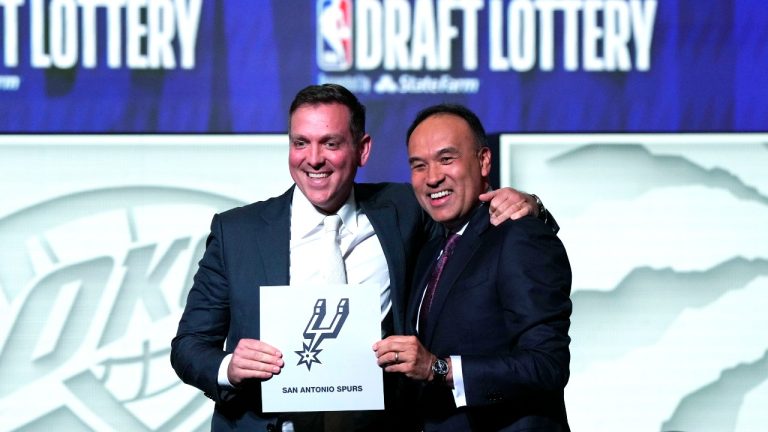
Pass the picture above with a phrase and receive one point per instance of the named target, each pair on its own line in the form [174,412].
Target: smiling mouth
[321,175]
[441,194]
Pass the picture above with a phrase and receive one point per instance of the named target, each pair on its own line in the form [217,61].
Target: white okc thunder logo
[90,301]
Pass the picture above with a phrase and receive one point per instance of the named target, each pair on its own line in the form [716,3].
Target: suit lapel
[466,247]
[383,218]
[273,237]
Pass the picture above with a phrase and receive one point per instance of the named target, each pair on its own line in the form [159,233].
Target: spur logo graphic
[315,333]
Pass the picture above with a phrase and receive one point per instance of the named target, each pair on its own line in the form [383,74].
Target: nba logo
[334,34]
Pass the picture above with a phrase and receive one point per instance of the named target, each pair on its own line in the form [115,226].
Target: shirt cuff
[459,396]
[226,389]
[223,379]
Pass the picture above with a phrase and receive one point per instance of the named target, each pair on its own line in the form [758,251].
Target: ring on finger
[397,356]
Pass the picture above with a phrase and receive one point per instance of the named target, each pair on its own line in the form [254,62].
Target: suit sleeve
[533,282]
[197,349]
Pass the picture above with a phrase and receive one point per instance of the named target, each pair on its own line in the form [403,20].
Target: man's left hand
[404,354]
[507,203]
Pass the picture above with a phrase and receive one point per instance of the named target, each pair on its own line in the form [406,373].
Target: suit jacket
[249,247]
[502,304]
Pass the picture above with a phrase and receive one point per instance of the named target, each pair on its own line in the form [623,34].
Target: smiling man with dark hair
[490,307]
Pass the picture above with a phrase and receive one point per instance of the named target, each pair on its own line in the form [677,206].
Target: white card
[326,334]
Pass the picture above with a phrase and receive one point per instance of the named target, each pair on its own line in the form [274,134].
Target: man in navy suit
[491,351]
[274,242]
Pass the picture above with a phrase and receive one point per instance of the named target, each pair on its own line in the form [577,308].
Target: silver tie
[333,271]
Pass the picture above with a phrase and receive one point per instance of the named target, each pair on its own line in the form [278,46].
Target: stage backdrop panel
[101,235]
[668,240]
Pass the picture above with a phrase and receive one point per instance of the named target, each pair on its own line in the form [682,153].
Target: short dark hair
[333,93]
[481,140]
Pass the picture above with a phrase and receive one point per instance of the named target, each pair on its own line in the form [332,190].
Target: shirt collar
[463,228]
[305,218]
[460,231]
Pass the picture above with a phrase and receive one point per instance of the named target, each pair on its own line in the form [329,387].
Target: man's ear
[484,155]
[364,150]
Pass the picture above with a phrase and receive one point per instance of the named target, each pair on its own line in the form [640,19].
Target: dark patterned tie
[426,303]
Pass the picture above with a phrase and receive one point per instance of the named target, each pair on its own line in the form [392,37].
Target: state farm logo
[92,287]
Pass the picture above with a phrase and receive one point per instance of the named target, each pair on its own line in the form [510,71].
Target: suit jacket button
[494,396]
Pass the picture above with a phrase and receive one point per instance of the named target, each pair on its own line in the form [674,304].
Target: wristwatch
[440,370]
[542,211]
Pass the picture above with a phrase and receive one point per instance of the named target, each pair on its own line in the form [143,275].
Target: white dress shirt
[360,247]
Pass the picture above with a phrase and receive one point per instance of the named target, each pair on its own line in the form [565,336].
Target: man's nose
[315,157]
[434,175]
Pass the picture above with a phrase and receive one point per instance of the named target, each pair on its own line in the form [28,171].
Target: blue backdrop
[705,71]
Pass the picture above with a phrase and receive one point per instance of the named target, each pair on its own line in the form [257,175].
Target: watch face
[440,367]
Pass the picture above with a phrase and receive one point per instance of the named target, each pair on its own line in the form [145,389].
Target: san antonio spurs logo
[315,333]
